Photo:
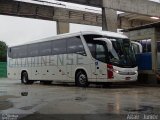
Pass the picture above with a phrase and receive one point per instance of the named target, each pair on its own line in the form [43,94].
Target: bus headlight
[136,72]
[116,71]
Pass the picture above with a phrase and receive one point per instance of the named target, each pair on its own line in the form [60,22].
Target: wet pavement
[59,101]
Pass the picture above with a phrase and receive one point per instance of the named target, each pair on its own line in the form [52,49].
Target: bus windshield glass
[122,53]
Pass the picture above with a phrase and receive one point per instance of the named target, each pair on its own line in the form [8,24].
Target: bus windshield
[122,53]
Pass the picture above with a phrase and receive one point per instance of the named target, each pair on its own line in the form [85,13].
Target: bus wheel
[81,79]
[158,81]
[24,79]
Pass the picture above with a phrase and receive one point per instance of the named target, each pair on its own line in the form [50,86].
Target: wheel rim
[82,79]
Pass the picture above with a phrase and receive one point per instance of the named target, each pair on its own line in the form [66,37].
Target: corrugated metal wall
[3,69]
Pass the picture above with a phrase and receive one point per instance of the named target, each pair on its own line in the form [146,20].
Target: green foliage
[3,51]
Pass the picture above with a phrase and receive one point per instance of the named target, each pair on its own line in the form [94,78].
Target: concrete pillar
[62,27]
[154,51]
[109,19]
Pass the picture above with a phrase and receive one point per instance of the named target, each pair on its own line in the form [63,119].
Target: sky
[18,30]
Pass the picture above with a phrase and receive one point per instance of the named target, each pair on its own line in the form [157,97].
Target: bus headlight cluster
[136,72]
[116,71]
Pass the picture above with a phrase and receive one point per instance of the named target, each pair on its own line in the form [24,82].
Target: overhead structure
[144,7]
[129,20]
[95,3]
[63,16]
[108,19]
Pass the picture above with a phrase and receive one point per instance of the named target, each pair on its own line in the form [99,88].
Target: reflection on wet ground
[4,103]
[67,99]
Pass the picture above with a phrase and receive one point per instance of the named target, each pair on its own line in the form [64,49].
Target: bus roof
[66,35]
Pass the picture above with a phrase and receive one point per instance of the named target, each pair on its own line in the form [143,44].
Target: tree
[3,51]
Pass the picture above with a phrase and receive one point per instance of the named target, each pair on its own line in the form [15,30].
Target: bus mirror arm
[139,45]
[108,41]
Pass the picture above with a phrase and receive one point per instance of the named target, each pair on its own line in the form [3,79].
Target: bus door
[98,52]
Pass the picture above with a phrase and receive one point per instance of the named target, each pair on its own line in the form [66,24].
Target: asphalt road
[61,101]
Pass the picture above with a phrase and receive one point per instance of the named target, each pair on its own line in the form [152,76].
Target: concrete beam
[144,7]
[30,10]
[95,3]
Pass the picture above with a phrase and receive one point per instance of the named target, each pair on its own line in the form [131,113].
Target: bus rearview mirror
[108,41]
[138,45]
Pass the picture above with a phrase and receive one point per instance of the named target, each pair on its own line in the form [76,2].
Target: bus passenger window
[74,45]
[59,47]
[33,50]
[45,48]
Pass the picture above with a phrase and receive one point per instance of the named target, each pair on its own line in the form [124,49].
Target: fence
[3,69]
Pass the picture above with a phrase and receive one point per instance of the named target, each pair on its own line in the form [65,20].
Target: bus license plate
[128,78]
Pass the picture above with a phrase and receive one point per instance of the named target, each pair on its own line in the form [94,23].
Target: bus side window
[22,51]
[33,50]
[74,45]
[15,52]
[45,48]
[59,47]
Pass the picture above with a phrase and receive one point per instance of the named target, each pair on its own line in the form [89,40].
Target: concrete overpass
[144,7]
[61,15]
[65,16]
[109,16]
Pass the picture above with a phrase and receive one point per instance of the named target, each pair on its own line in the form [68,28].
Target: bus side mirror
[108,41]
[137,46]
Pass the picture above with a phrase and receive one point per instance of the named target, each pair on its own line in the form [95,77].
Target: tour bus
[83,57]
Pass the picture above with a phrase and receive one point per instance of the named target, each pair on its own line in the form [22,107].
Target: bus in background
[83,57]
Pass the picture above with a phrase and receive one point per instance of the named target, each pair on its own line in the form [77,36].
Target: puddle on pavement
[27,108]
[140,109]
[4,103]
[80,98]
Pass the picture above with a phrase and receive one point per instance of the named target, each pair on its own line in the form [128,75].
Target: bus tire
[24,79]
[158,81]
[81,79]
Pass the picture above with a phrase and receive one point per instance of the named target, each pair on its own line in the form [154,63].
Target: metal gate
[3,69]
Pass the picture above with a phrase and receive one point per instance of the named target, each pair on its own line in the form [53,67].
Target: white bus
[83,57]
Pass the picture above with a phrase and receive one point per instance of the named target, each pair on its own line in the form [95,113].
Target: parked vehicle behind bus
[82,57]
